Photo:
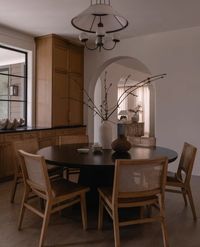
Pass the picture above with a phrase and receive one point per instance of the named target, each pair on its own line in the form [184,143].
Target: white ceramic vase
[105,135]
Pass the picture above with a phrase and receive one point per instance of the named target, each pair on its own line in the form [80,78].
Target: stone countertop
[34,128]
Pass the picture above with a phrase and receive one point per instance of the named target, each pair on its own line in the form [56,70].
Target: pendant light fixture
[101,20]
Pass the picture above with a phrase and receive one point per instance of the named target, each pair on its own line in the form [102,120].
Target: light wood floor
[66,230]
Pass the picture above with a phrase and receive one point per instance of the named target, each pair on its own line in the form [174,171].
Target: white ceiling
[39,17]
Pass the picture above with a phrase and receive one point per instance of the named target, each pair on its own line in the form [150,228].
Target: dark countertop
[23,129]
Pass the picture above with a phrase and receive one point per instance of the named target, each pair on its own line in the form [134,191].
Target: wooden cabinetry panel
[45,138]
[56,61]
[6,160]
[45,142]
[76,99]
[46,133]
[60,99]
[61,58]
[43,81]
[71,131]
[76,60]
[13,137]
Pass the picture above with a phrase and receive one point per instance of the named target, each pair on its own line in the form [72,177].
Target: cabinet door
[60,99]
[61,58]
[76,99]
[76,60]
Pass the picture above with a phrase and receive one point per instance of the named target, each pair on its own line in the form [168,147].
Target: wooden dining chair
[72,139]
[30,145]
[58,193]
[137,183]
[181,179]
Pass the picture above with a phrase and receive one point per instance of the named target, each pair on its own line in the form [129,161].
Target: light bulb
[83,37]
[116,37]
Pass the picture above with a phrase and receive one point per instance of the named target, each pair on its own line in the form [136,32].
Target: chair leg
[84,211]
[189,192]
[45,223]
[164,233]
[22,210]
[100,216]
[13,190]
[116,227]
[184,196]
[163,223]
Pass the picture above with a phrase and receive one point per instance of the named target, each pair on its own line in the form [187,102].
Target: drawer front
[13,137]
[29,135]
[6,160]
[2,138]
[46,133]
[71,131]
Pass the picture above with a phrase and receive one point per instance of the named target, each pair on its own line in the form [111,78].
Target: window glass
[13,84]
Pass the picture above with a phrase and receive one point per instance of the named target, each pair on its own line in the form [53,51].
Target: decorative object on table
[97,148]
[3,123]
[99,19]
[124,155]
[121,144]
[136,111]
[123,115]
[104,111]
[105,134]
[83,150]
[11,125]
[121,129]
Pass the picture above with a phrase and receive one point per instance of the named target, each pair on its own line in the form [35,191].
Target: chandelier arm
[109,49]
[89,48]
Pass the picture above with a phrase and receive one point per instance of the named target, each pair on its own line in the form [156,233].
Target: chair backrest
[35,172]
[29,145]
[71,139]
[186,162]
[139,178]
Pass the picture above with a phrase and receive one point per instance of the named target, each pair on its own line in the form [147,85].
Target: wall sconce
[13,90]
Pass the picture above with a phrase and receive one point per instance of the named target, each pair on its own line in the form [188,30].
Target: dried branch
[135,87]
[103,111]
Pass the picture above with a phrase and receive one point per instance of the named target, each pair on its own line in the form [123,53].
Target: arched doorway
[117,68]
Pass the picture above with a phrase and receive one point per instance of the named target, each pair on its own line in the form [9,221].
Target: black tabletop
[67,155]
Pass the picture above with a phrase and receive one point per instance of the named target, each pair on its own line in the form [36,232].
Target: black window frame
[25,77]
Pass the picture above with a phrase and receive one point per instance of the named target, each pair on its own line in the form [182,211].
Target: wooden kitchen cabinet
[76,98]
[46,137]
[57,63]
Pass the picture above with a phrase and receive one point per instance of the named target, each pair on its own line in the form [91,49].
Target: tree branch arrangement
[103,111]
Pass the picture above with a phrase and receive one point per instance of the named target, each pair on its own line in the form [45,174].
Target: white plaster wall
[15,39]
[97,101]
[176,53]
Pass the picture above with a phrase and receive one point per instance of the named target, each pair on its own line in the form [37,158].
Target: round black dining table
[98,169]
[68,155]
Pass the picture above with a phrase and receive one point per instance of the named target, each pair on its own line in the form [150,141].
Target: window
[13,84]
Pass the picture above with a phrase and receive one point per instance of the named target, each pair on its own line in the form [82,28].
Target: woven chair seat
[107,192]
[62,187]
